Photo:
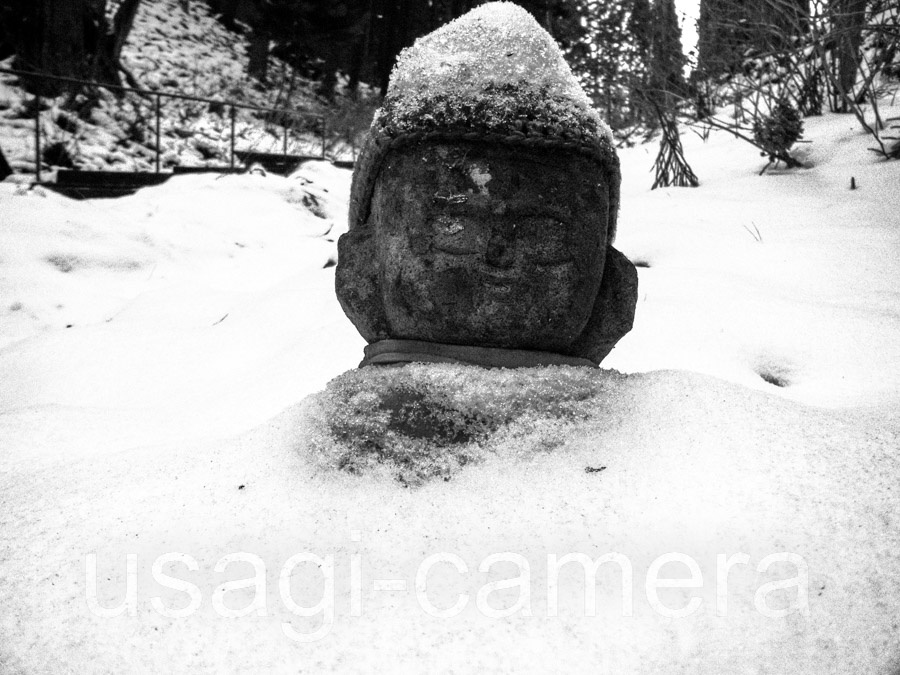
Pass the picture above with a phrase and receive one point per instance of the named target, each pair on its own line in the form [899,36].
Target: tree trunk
[849,19]
[361,51]
[122,25]
[229,12]
[386,29]
[54,40]
[671,167]
[5,168]
[258,52]
[107,59]
[71,38]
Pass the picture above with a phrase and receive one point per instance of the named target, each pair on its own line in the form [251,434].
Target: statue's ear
[357,283]
[613,313]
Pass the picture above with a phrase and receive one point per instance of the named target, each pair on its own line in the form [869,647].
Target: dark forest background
[794,56]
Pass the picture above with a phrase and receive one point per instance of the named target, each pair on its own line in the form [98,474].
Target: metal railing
[157,96]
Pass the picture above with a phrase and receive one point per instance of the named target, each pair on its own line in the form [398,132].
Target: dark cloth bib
[389,352]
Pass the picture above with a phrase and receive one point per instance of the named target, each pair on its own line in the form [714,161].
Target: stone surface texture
[484,245]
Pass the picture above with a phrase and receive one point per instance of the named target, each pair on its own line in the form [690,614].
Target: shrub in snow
[57,154]
[421,422]
[777,132]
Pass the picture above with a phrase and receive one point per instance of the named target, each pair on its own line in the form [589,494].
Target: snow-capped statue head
[484,203]
[495,72]
[491,67]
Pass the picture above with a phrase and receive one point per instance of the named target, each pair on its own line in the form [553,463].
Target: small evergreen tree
[600,60]
[777,132]
[667,59]
[640,31]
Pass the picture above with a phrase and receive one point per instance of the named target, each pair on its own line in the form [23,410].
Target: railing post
[284,145]
[323,136]
[231,161]
[37,137]
[157,131]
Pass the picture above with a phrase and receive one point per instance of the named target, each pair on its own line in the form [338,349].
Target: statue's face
[490,246]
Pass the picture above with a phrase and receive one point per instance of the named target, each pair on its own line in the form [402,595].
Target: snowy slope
[174,47]
[789,275]
[174,417]
[179,286]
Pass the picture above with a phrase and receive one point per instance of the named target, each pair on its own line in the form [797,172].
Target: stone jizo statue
[483,207]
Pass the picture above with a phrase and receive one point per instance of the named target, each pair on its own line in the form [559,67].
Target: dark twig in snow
[755,233]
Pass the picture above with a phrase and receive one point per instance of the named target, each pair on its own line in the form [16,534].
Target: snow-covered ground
[789,276]
[159,358]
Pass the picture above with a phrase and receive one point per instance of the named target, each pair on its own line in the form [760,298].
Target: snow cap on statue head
[493,75]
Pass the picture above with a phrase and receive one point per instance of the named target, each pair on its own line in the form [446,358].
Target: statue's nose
[501,247]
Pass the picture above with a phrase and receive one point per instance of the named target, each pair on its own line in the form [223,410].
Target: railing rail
[157,96]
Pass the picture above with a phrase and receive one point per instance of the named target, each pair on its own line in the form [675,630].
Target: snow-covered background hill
[160,356]
[178,48]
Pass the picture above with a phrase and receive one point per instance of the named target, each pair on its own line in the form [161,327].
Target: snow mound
[693,465]
[424,421]
[67,263]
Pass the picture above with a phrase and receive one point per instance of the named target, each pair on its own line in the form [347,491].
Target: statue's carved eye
[451,235]
[452,227]
[448,200]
